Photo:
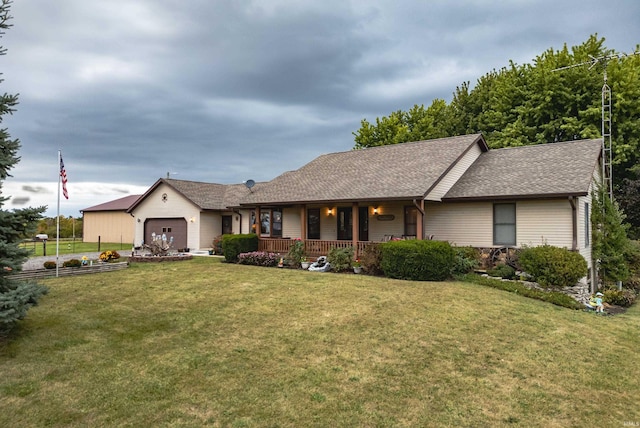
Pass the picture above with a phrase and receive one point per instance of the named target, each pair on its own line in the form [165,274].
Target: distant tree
[15,297]
[69,227]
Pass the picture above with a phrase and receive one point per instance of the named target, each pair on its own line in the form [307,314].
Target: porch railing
[312,247]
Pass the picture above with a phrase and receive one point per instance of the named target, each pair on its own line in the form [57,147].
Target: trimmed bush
[553,266]
[502,271]
[340,259]
[418,260]
[371,259]
[49,265]
[72,263]
[234,245]
[259,258]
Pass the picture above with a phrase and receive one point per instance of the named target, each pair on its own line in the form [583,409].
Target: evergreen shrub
[234,245]
[502,271]
[340,259]
[553,266]
[418,260]
[467,259]
[72,263]
[49,265]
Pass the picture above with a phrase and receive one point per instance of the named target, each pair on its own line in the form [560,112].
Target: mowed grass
[37,248]
[200,342]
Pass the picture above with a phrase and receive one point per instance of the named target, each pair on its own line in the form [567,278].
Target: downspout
[420,207]
[574,223]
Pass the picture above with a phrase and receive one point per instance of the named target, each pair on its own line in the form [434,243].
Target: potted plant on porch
[357,266]
[304,263]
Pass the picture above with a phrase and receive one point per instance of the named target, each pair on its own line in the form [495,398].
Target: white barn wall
[108,226]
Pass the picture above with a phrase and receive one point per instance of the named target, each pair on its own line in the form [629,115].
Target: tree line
[536,104]
[69,227]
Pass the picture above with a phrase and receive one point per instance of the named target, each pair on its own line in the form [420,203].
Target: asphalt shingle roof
[121,204]
[207,196]
[211,196]
[397,171]
[554,169]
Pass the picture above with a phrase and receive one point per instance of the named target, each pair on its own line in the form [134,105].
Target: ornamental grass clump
[259,258]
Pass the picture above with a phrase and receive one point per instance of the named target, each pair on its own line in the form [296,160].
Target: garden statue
[159,245]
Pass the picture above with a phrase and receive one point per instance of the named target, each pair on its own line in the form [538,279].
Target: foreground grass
[37,248]
[204,343]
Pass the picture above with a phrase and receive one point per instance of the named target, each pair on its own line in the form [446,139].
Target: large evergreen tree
[533,104]
[15,297]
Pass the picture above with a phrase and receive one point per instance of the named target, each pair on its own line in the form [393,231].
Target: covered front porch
[323,227]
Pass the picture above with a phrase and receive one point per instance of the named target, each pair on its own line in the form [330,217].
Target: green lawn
[200,342]
[37,248]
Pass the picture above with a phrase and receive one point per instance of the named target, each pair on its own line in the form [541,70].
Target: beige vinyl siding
[210,227]
[176,206]
[379,229]
[544,222]
[241,220]
[460,224]
[471,223]
[291,222]
[108,226]
[454,174]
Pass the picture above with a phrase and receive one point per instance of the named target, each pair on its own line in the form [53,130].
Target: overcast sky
[225,91]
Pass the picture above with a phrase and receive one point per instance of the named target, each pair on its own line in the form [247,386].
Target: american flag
[63,174]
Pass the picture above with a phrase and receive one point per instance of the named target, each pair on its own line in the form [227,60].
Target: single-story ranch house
[454,189]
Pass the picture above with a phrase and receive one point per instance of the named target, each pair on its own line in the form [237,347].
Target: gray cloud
[227,90]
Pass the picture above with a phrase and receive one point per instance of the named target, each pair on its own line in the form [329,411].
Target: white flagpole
[58,216]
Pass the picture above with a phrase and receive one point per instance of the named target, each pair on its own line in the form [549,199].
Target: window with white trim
[504,224]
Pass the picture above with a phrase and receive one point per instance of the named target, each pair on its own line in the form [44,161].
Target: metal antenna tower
[607,155]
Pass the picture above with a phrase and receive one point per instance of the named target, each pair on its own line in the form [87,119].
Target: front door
[227,224]
[345,224]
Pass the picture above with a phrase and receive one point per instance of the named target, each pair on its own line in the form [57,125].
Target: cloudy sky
[225,91]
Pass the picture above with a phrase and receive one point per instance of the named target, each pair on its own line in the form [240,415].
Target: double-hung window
[504,224]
